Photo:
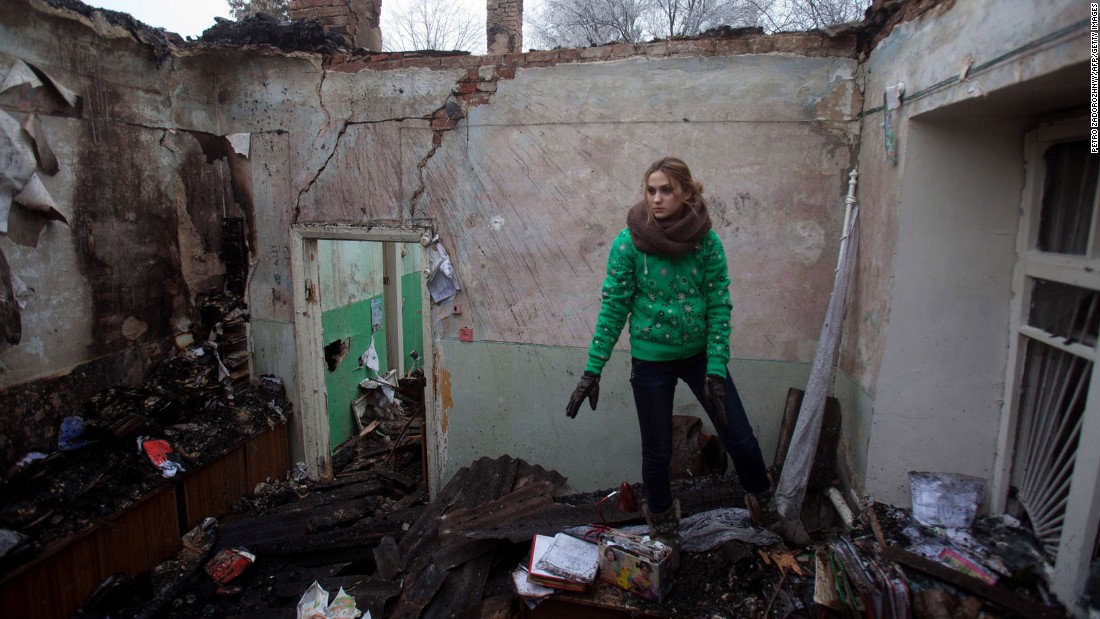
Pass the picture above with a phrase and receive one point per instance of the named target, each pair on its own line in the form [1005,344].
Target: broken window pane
[1065,311]
[1068,197]
[1052,403]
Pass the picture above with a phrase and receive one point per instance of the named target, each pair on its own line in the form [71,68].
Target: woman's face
[663,196]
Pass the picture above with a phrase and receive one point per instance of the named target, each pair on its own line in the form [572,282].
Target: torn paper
[369,358]
[18,165]
[378,400]
[19,74]
[948,500]
[69,96]
[386,384]
[241,143]
[526,588]
[47,160]
[442,281]
[34,196]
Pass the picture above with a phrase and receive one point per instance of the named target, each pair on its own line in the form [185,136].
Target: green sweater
[678,306]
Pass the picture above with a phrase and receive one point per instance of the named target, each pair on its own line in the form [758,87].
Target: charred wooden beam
[1000,596]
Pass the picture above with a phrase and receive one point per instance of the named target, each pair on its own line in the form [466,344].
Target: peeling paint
[842,103]
[133,329]
[445,392]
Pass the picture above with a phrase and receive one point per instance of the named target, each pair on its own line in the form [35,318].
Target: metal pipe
[841,506]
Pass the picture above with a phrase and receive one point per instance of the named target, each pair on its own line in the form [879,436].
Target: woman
[667,272]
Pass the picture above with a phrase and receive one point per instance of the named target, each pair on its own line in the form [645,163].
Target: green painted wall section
[351,321]
[351,278]
[412,316]
[856,407]
[510,399]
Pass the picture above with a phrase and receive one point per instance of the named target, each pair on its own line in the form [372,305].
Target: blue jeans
[654,384]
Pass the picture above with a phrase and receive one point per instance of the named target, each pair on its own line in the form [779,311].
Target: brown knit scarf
[668,237]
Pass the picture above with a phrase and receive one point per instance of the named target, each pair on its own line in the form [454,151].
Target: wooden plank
[267,455]
[387,560]
[53,578]
[511,506]
[212,489]
[391,293]
[499,607]
[138,539]
[786,427]
[58,582]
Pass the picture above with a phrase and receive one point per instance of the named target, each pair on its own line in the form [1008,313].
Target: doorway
[356,288]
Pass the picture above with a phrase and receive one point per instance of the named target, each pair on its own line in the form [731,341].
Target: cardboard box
[636,564]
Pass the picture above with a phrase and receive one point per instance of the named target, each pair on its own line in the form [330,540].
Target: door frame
[312,399]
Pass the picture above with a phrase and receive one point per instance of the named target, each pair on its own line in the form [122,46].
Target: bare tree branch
[243,8]
[426,24]
[580,23]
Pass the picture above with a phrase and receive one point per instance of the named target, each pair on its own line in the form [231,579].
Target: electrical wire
[951,81]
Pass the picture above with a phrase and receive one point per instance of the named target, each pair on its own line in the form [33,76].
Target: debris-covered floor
[372,532]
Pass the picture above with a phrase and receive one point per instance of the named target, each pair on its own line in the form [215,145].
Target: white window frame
[1075,548]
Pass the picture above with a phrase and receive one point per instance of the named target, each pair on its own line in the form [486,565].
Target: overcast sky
[190,18]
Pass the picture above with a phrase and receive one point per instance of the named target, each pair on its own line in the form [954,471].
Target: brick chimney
[357,21]
[504,26]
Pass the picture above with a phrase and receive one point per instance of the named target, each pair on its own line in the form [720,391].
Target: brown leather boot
[761,508]
[763,513]
[665,528]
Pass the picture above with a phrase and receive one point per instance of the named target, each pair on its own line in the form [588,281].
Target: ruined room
[216,241]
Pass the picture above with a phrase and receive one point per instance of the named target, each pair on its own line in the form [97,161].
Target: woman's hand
[715,389]
[589,387]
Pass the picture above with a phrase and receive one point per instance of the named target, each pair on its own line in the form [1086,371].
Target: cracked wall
[527,174]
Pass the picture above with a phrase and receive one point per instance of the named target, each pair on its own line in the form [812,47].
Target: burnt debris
[194,401]
[306,35]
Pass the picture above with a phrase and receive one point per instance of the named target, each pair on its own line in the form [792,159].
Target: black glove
[589,387]
[714,389]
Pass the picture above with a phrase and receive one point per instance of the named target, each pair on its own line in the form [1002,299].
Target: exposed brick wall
[504,26]
[811,44]
[357,21]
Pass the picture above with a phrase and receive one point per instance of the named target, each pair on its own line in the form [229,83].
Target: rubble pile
[372,533]
[118,447]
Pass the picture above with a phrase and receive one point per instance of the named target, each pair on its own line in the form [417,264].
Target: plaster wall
[927,331]
[529,189]
[943,369]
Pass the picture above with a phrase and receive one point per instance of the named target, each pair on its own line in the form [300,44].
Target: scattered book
[562,562]
[571,558]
